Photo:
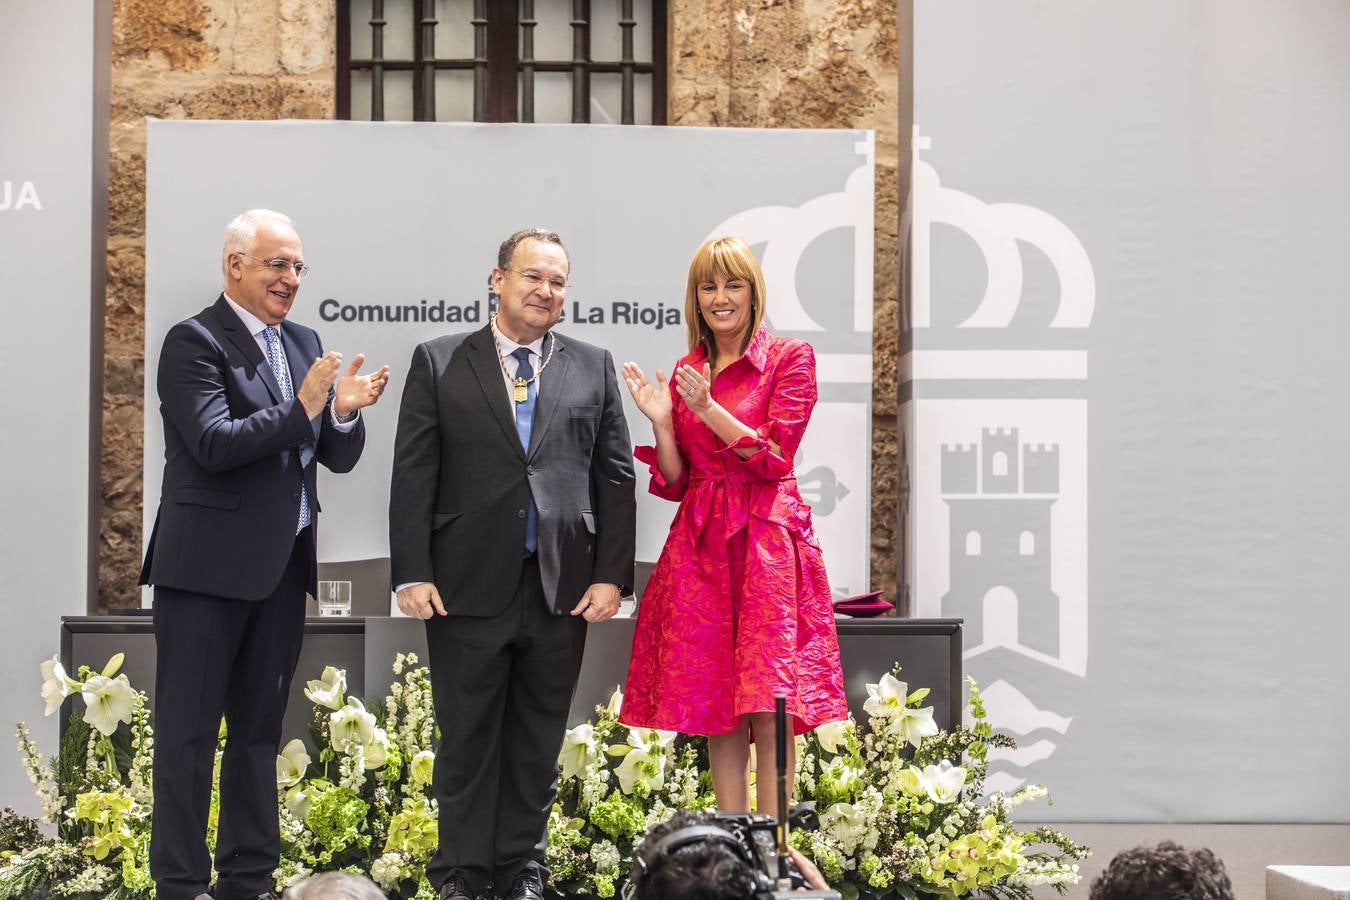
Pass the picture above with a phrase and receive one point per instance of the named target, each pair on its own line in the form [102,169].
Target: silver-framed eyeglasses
[279,265]
[557,284]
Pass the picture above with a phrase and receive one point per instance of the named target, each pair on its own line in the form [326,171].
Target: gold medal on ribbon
[520,390]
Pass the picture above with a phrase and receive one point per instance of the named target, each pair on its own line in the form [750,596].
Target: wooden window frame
[498,64]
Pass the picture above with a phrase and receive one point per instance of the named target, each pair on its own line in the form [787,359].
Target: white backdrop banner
[51,128]
[1129,380]
[401,222]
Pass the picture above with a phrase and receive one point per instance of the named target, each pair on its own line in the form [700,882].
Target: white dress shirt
[255,327]
[507,348]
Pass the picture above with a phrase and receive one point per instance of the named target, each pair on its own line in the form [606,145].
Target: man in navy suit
[251,402]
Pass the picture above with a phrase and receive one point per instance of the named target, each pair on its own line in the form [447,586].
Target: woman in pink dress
[737,610]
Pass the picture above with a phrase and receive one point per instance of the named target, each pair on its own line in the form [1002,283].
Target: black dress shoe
[526,886]
[456,887]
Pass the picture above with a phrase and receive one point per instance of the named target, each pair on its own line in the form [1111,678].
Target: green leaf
[917,696]
[114,665]
[848,890]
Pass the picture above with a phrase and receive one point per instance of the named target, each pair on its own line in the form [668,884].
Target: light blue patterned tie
[524,426]
[277,360]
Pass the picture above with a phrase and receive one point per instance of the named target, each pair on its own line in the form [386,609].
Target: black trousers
[502,687]
[219,656]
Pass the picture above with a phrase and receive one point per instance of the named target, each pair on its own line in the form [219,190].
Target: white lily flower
[56,685]
[913,725]
[292,764]
[831,735]
[351,726]
[846,824]
[615,702]
[839,778]
[650,739]
[108,701]
[642,764]
[328,691]
[298,799]
[422,767]
[886,698]
[579,750]
[375,751]
[943,782]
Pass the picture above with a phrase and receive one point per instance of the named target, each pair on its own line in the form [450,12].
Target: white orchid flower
[642,764]
[943,782]
[615,702]
[108,701]
[376,750]
[832,734]
[913,725]
[328,691]
[292,764]
[579,750]
[351,726]
[422,767]
[56,684]
[886,698]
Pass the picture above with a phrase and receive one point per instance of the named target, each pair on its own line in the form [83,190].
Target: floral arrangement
[899,802]
[96,793]
[901,808]
[616,783]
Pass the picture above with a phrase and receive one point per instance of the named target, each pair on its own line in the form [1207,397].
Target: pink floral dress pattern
[738,609]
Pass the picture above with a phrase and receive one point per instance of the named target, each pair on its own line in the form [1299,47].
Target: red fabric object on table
[738,609]
[863,606]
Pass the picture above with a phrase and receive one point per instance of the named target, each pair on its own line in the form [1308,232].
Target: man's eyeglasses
[279,266]
[557,283]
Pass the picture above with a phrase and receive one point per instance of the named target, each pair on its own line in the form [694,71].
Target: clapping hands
[652,399]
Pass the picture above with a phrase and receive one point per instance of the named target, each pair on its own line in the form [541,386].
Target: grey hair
[335,886]
[242,233]
[508,247]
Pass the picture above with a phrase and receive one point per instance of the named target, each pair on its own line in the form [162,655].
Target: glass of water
[335,598]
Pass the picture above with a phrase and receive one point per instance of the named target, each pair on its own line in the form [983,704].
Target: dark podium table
[928,649]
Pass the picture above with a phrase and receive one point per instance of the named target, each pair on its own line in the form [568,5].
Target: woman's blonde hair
[731,258]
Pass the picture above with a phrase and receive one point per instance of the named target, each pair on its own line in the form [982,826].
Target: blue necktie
[524,425]
[277,360]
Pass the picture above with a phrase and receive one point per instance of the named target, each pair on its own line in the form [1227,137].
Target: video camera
[760,841]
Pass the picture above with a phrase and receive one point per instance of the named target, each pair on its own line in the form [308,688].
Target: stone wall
[812,64]
[762,63]
[181,59]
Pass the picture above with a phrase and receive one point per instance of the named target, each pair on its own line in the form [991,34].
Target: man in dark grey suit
[511,526]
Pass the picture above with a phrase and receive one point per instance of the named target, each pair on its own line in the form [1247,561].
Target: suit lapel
[551,381]
[487,368]
[245,343]
[297,361]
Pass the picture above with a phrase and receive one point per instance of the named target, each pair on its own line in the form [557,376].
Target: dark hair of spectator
[1166,872]
[705,870]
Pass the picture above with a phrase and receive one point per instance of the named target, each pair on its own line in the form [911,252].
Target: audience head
[706,867]
[1165,872]
[335,886]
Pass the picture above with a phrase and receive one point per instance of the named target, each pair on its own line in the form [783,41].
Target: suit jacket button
[296,496]
[529,470]
[520,514]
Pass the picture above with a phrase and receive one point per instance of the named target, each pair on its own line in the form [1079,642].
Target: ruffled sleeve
[658,485]
[793,397]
